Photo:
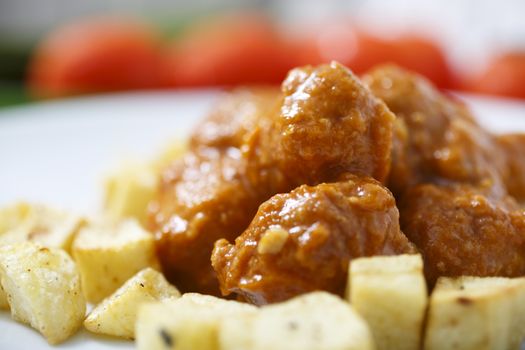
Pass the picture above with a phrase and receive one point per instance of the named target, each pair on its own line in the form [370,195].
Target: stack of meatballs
[280,189]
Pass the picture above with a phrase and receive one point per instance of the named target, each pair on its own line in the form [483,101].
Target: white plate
[58,152]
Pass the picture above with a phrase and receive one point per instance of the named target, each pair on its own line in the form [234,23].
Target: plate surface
[58,152]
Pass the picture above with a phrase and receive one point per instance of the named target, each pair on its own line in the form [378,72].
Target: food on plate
[390,293]
[108,255]
[476,313]
[116,315]
[303,240]
[41,224]
[326,124]
[42,285]
[504,76]
[96,55]
[279,197]
[190,322]
[461,230]
[316,320]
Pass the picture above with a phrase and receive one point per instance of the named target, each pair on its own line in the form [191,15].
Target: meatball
[326,123]
[303,240]
[235,116]
[205,196]
[463,230]
[435,137]
[330,124]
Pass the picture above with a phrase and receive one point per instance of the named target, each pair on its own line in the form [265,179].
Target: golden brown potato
[390,293]
[312,321]
[116,315]
[188,323]
[107,256]
[43,289]
[38,223]
[476,313]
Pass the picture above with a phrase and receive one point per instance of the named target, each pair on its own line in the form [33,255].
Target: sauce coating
[324,123]
[304,240]
[436,139]
[296,177]
[462,230]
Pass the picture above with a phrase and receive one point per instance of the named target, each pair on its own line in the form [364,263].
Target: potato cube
[107,256]
[390,293]
[316,321]
[43,289]
[476,313]
[12,216]
[128,192]
[190,322]
[41,224]
[116,315]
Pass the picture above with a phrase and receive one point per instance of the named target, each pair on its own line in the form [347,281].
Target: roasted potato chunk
[476,313]
[130,188]
[44,225]
[390,293]
[116,315]
[128,192]
[107,256]
[43,289]
[190,322]
[317,320]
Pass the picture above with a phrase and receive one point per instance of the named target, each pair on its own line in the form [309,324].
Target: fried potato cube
[12,216]
[116,315]
[314,321]
[44,225]
[128,192]
[476,313]
[390,293]
[130,188]
[107,256]
[43,289]
[190,322]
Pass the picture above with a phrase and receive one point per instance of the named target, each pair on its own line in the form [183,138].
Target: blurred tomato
[505,76]
[361,51]
[230,50]
[94,55]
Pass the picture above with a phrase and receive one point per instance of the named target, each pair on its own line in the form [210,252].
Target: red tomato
[230,50]
[361,51]
[505,76]
[96,55]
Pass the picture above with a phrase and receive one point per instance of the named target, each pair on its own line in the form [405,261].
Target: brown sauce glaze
[303,240]
[463,230]
[436,139]
[324,123]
